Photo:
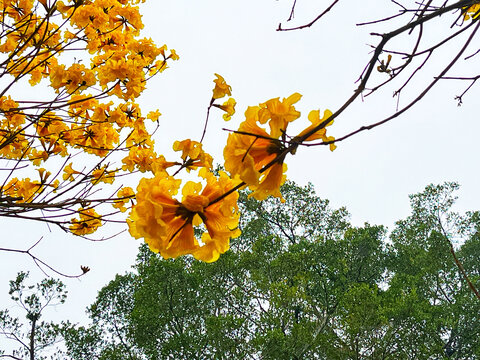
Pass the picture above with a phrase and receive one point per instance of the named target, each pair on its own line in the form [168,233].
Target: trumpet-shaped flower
[221,88]
[229,108]
[124,196]
[192,154]
[68,172]
[160,165]
[167,225]
[279,113]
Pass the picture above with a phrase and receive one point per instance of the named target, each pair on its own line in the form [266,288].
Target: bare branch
[311,22]
[39,262]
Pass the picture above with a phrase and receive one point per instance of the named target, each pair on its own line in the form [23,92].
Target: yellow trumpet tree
[65,151]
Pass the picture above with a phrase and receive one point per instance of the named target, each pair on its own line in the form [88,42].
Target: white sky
[371,174]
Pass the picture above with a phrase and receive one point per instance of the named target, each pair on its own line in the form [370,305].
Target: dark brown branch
[311,22]
[371,65]
[40,262]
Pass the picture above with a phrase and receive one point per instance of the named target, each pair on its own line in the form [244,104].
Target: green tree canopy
[301,283]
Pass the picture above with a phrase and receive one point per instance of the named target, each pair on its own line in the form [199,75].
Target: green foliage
[111,313]
[433,294]
[302,283]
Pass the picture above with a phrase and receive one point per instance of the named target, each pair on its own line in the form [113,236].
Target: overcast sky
[371,174]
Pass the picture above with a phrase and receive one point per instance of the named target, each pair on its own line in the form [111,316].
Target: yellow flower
[154,115]
[192,154]
[9,45]
[44,175]
[36,157]
[139,158]
[174,55]
[98,138]
[103,175]
[13,118]
[167,225]
[88,223]
[270,183]
[124,196]
[76,78]
[278,113]
[55,185]
[221,88]
[50,126]
[189,148]
[82,105]
[160,165]
[228,107]
[245,155]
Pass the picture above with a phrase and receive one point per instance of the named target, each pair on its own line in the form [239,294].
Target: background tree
[111,337]
[426,274]
[295,288]
[35,337]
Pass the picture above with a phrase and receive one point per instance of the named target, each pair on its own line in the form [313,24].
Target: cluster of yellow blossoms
[167,225]
[256,154]
[91,56]
[27,190]
[88,223]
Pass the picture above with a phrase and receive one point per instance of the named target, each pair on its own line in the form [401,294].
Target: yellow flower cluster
[93,109]
[167,224]
[252,148]
[256,154]
[26,190]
